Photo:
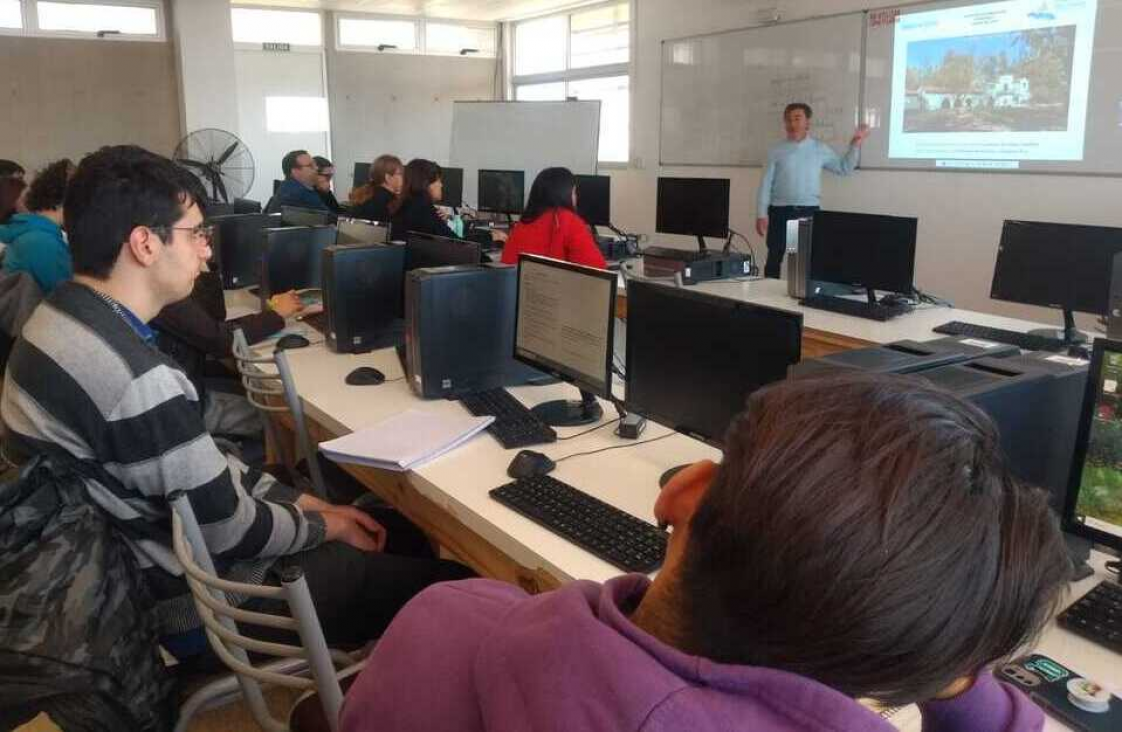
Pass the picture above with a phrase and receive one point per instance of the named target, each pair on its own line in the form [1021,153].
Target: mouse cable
[588,431]
[614,447]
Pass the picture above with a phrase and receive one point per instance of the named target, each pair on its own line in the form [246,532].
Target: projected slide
[990,86]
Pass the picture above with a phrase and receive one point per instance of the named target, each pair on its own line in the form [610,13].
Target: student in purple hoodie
[861,538]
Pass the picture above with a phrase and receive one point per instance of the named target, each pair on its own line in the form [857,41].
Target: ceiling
[490,10]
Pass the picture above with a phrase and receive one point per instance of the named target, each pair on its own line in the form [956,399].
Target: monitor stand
[1079,551]
[563,413]
[1070,335]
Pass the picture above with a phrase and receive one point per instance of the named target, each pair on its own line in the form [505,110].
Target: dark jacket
[330,201]
[418,214]
[377,208]
[192,329]
[294,193]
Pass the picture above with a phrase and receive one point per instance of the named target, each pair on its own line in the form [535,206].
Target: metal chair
[219,614]
[274,391]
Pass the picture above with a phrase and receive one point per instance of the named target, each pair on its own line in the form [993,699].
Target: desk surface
[628,478]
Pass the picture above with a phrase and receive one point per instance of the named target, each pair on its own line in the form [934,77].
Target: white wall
[960,215]
[205,55]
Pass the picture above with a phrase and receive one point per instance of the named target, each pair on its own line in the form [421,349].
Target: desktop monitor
[237,244]
[872,251]
[1093,508]
[427,250]
[292,258]
[361,175]
[453,179]
[358,231]
[694,358]
[1062,266]
[594,199]
[502,191]
[297,216]
[693,207]
[563,325]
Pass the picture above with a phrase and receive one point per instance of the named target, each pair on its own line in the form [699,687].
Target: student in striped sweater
[86,377]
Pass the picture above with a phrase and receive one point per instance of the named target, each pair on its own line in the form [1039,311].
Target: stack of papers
[405,441]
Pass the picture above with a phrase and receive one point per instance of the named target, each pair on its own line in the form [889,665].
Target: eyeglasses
[202,231]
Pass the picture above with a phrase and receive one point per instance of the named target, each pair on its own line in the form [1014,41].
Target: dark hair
[419,175]
[115,190]
[552,188]
[864,531]
[322,163]
[11,169]
[797,106]
[48,190]
[383,167]
[288,163]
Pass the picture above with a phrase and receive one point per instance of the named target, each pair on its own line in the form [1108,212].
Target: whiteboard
[723,94]
[527,136]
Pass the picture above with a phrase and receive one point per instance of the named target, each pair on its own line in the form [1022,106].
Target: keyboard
[856,308]
[1097,615]
[615,536]
[317,321]
[515,425]
[1024,341]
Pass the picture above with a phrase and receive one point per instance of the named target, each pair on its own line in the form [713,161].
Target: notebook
[405,441]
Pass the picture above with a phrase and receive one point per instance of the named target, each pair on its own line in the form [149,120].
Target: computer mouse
[292,340]
[365,376]
[530,464]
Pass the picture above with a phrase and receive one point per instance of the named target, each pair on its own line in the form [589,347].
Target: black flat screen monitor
[453,195]
[867,250]
[238,241]
[427,250]
[564,321]
[361,174]
[292,258]
[1064,266]
[502,191]
[693,207]
[1093,508]
[693,358]
[297,216]
[594,199]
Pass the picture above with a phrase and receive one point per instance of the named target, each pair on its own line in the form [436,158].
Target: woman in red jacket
[550,225]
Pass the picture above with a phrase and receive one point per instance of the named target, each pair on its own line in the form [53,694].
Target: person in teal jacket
[34,240]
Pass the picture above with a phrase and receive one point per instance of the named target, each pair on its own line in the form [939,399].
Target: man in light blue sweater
[792,184]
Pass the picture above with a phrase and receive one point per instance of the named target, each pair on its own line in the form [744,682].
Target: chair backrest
[272,390]
[218,613]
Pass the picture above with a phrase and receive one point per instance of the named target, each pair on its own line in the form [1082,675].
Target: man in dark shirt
[325,173]
[298,189]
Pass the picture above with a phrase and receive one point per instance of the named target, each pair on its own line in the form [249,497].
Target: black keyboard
[515,425]
[1024,341]
[1097,615]
[856,308]
[615,536]
[317,321]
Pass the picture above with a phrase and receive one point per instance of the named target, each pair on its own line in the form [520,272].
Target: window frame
[295,47]
[419,33]
[582,73]
[29,12]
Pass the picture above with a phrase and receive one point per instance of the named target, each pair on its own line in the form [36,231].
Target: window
[93,18]
[10,14]
[252,25]
[401,35]
[452,38]
[296,114]
[585,55]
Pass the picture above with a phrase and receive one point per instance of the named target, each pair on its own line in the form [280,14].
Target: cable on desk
[1115,566]
[588,431]
[615,447]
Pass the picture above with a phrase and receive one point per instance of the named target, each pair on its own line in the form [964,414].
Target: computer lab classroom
[561,365]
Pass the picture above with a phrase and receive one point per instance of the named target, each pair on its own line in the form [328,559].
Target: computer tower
[903,357]
[694,267]
[1114,311]
[459,334]
[362,296]
[798,257]
[1035,400]
[237,247]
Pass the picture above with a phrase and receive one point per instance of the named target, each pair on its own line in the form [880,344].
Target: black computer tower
[362,296]
[460,330]
[902,357]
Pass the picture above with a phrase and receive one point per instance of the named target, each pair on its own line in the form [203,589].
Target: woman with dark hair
[415,209]
[11,187]
[551,226]
[35,241]
[372,200]
[861,538]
